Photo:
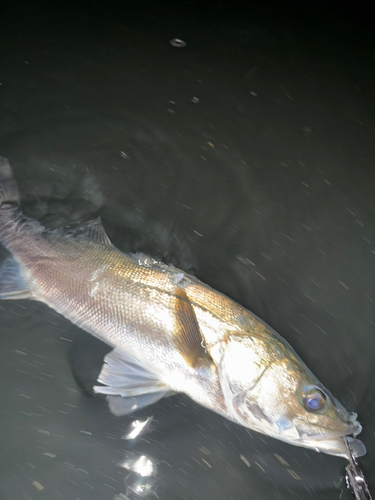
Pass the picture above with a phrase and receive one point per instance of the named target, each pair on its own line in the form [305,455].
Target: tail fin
[9,193]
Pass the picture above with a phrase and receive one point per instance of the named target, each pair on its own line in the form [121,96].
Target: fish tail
[9,200]
[9,193]
[12,283]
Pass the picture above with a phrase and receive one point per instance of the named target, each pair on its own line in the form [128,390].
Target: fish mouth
[353,430]
[333,443]
[338,448]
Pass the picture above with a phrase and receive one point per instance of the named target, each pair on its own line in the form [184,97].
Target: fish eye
[314,400]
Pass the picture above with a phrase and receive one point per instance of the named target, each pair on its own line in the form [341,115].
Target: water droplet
[176,42]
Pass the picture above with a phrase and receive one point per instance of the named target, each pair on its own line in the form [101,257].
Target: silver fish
[170,332]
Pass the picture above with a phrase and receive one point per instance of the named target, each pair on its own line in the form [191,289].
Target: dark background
[246,158]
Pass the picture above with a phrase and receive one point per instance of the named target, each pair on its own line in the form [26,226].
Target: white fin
[128,384]
[12,284]
[124,406]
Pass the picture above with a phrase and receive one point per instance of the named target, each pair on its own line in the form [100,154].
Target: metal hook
[355,479]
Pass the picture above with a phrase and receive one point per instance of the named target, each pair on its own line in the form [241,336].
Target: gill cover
[242,361]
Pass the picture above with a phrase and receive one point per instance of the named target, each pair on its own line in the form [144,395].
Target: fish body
[169,332]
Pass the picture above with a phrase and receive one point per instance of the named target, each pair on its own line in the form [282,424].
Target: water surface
[245,157]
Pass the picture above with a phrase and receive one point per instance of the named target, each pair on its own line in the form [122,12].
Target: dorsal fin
[92,230]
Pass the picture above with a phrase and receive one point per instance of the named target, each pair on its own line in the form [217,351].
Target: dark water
[247,158]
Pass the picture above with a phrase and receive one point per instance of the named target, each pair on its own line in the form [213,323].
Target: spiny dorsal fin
[92,230]
[188,339]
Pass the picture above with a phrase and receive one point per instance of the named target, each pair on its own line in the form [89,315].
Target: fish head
[268,388]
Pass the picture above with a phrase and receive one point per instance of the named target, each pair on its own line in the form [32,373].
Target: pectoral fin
[188,338]
[128,384]
[12,284]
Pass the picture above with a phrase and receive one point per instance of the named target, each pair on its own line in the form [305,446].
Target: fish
[169,332]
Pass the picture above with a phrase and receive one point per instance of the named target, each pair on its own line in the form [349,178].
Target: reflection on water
[138,427]
[140,481]
[142,466]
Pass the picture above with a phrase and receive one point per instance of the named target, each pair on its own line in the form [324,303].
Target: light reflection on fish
[170,332]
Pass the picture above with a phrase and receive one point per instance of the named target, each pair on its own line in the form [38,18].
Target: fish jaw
[336,446]
[323,441]
[334,443]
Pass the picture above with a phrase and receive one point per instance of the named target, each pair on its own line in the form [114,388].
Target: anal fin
[12,284]
[125,406]
[129,385]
